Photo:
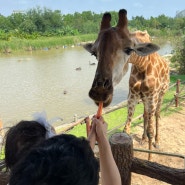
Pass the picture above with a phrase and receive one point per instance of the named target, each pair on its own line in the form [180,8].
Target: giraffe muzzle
[101,90]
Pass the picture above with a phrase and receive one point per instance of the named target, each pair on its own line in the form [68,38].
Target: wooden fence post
[122,149]
[88,124]
[177,93]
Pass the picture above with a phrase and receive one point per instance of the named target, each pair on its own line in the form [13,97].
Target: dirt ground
[172,140]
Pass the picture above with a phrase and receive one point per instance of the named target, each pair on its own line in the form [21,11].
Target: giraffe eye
[128,50]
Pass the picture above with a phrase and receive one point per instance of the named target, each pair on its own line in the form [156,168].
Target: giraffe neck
[140,62]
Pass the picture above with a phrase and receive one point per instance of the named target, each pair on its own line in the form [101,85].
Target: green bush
[179,57]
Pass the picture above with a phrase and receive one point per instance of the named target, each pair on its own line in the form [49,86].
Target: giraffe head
[112,49]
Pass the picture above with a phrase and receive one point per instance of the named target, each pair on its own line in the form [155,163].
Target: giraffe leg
[150,148]
[150,134]
[132,100]
[129,119]
[127,127]
[157,116]
[144,137]
[150,130]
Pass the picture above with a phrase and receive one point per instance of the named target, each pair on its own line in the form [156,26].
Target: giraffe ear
[90,48]
[144,49]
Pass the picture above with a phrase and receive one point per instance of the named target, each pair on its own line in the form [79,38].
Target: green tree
[179,57]
[5,24]
[35,15]
[138,22]
[164,21]
[46,22]
[16,19]
[28,26]
[52,19]
[180,23]
[154,22]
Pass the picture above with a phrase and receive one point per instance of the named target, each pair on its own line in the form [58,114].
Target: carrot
[100,108]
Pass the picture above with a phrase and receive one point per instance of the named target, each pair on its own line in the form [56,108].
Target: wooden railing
[122,149]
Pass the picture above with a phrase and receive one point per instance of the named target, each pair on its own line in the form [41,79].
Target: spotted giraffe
[149,80]
[113,48]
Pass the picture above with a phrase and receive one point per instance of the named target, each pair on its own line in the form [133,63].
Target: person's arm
[109,172]
[92,133]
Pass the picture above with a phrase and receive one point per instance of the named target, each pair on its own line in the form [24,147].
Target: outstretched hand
[100,127]
[98,131]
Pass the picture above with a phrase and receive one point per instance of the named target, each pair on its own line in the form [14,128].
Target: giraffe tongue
[100,108]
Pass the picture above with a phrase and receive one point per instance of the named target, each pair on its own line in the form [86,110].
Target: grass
[17,44]
[21,44]
[174,78]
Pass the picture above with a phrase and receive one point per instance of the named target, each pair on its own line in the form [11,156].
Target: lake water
[32,82]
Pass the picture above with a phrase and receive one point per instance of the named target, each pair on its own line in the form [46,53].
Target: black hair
[60,160]
[20,138]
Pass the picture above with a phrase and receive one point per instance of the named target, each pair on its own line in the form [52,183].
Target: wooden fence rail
[122,149]
[161,153]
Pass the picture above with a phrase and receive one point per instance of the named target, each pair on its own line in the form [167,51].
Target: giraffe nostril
[106,83]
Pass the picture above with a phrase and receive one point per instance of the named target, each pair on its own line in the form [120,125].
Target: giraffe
[149,80]
[114,48]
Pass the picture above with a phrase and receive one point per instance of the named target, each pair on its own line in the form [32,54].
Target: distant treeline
[38,22]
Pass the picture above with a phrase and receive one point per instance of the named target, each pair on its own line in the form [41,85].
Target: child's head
[20,139]
[24,136]
[62,159]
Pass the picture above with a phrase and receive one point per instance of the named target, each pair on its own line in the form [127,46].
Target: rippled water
[36,81]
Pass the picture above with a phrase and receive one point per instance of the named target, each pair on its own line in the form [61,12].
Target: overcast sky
[145,8]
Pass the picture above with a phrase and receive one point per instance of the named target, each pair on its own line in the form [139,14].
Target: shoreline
[16,45]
